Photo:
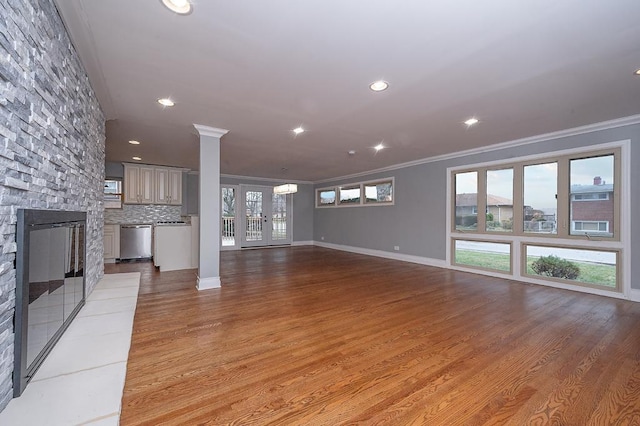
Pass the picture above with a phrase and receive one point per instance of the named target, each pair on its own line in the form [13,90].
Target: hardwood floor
[311,336]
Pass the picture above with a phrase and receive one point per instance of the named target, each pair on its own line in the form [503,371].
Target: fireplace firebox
[50,285]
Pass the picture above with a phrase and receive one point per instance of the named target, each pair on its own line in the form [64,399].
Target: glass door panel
[279,217]
[266,217]
[254,216]
[228,210]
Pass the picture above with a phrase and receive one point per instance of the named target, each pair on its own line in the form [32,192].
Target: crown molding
[301,182]
[604,125]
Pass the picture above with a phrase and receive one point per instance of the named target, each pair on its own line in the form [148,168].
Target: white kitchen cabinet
[139,184]
[111,241]
[168,186]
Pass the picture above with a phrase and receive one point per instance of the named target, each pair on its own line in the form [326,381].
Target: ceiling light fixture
[137,158]
[379,147]
[637,72]
[287,188]
[379,86]
[166,102]
[298,130]
[181,7]
[134,142]
[470,122]
[352,152]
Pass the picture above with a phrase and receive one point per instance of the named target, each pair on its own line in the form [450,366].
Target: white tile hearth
[81,381]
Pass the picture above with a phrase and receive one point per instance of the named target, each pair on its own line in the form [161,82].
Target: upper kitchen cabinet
[139,184]
[168,186]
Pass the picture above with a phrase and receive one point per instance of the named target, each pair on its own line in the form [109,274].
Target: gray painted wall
[52,145]
[113,170]
[417,221]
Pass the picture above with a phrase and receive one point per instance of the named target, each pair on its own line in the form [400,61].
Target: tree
[228,202]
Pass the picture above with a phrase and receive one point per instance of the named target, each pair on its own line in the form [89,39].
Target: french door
[265,217]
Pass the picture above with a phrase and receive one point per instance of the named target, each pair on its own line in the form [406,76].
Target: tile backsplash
[143,213]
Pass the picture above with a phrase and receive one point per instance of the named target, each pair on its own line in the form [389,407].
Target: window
[112,194]
[466,201]
[588,197]
[575,265]
[569,201]
[499,199]
[483,254]
[378,192]
[540,198]
[591,184]
[349,195]
[590,226]
[326,197]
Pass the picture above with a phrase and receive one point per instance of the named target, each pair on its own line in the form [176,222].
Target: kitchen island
[176,246]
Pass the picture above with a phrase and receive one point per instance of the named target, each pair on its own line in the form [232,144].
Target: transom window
[378,192]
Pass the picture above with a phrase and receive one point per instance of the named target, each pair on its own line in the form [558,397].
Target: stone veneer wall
[51,144]
[133,213]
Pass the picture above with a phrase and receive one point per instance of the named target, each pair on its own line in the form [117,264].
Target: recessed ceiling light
[181,7]
[637,72]
[134,142]
[379,86]
[298,130]
[379,147]
[136,158]
[352,152]
[470,122]
[166,102]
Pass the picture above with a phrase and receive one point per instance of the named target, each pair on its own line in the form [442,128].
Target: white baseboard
[635,295]
[208,283]
[386,254]
[302,243]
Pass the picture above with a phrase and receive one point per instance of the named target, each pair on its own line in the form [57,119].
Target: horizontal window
[378,192]
[483,254]
[350,195]
[590,226]
[326,197]
[576,265]
[590,197]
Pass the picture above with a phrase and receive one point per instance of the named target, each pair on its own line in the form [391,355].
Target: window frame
[318,198]
[353,185]
[491,270]
[617,252]
[563,194]
[618,241]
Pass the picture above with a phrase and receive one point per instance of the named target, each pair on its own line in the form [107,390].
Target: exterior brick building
[592,208]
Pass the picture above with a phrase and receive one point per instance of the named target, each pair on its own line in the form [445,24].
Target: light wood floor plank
[311,336]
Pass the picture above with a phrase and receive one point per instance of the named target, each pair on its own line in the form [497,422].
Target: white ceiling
[261,68]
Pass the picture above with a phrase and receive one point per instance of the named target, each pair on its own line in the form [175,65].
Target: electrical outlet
[396,248]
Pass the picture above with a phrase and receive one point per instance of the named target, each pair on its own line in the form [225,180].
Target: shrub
[489,217]
[507,224]
[466,220]
[553,266]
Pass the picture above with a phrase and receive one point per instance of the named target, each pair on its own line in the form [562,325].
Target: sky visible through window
[541,180]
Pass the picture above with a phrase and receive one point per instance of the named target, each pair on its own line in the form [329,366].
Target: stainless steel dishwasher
[135,241]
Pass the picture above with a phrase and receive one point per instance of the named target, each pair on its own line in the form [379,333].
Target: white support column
[209,207]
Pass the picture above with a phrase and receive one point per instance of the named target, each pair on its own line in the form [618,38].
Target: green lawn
[592,273]
[497,261]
